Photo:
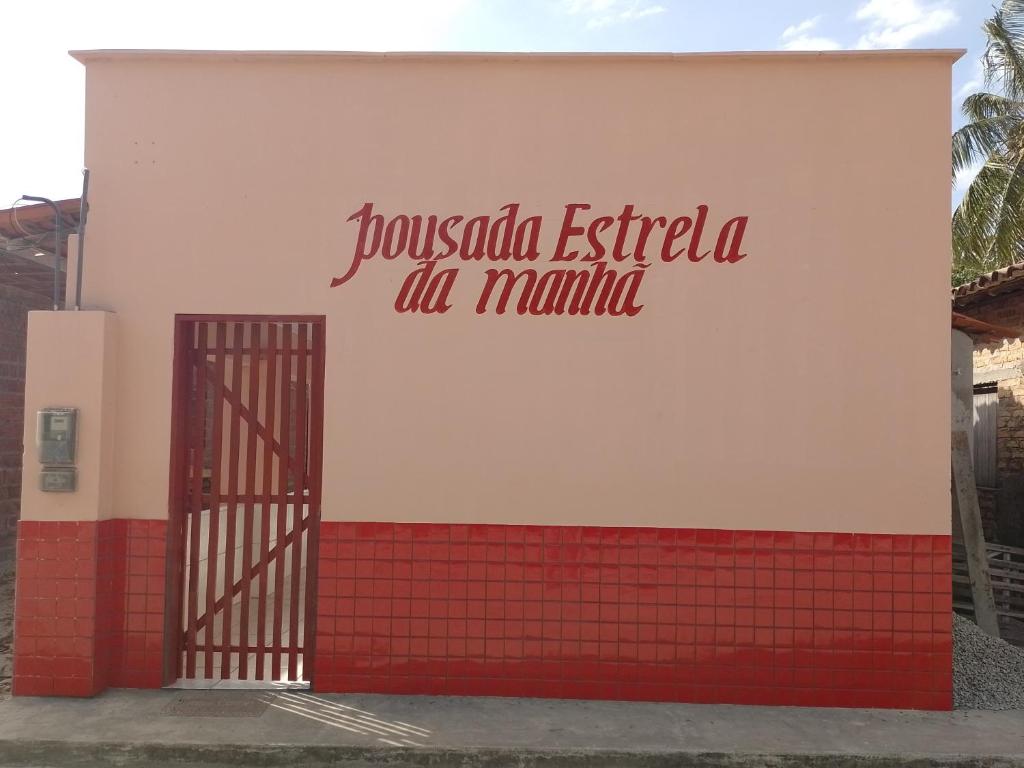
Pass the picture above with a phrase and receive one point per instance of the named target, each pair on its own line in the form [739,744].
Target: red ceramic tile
[555,597]
[657,614]
[81,638]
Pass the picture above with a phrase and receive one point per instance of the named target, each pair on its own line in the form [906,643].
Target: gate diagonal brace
[235,401]
[255,571]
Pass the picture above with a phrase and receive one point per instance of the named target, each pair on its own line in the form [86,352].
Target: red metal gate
[246,476]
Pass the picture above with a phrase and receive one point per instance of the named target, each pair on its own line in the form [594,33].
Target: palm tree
[988,225]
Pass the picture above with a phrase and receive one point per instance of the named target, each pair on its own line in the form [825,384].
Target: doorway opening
[246,470]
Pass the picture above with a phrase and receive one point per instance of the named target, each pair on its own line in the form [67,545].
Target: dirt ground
[6,629]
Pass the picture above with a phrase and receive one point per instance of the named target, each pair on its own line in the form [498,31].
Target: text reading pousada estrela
[600,260]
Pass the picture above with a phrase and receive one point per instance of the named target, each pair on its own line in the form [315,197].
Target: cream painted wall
[803,388]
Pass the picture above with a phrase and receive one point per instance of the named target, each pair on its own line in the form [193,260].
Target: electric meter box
[56,436]
[58,479]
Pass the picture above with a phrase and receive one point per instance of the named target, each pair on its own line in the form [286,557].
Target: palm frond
[1003,58]
[984,106]
[983,138]
[1012,12]
[1007,242]
[988,231]
[972,219]
[988,225]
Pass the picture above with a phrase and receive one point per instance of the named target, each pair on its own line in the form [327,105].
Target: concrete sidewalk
[249,728]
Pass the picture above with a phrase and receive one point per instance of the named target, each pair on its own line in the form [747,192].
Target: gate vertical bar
[284,462]
[237,343]
[213,535]
[299,502]
[178,500]
[267,484]
[198,403]
[316,430]
[250,494]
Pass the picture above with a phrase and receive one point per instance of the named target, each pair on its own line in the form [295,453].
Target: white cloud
[588,6]
[973,85]
[602,13]
[898,23]
[811,43]
[798,37]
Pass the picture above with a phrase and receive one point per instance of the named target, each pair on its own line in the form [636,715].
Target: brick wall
[14,307]
[1006,309]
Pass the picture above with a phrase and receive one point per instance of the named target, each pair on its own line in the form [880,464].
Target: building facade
[526,375]
[998,402]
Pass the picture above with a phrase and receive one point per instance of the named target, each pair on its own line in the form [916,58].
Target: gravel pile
[987,673]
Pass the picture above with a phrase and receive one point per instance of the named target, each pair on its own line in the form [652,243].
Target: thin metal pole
[83,212]
[58,221]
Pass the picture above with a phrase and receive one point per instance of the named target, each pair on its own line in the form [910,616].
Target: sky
[42,129]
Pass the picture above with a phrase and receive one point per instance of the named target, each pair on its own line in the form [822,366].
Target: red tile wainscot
[137,593]
[88,606]
[750,617]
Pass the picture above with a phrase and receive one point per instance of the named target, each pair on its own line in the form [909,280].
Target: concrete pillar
[68,606]
[966,514]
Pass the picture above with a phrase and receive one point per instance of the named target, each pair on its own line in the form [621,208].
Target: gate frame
[178,484]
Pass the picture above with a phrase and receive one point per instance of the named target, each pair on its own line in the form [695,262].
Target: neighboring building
[998,437]
[27,244]
[501,374]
